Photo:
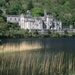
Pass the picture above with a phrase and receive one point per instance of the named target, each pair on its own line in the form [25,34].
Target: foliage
[35,32]
[30,5]
[1,12]
[37,11]
[61,9]
[49,32]
[2,3]
[14,9]
[65,31]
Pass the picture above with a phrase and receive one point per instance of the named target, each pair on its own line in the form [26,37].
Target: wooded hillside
[60,9]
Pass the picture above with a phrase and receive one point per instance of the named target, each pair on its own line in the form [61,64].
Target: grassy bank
[31,63]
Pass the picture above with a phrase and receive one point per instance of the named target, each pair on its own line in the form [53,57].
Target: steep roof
[13,15]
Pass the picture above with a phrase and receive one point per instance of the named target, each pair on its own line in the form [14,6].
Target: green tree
[65,31]
[49,32]
[67,6]
[3,26]
[1,12]
[7,1]
[30,5]
[35,32]
[14,9]
[37,11]
[2,3]
[26,31]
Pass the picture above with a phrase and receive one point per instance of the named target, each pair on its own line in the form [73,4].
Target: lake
[51,44]
[38,56]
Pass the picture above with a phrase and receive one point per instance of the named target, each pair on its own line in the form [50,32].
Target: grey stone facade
[38,23]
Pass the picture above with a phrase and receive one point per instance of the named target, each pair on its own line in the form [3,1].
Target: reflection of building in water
[39,23]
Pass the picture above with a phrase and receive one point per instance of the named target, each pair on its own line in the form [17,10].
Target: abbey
[26,21]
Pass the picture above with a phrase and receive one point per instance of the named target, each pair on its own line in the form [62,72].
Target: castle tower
[21,22]
[47,21]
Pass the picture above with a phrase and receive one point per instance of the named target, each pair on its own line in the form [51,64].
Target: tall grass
[37,63]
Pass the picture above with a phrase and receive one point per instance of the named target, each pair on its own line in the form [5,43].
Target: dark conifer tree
[30,5]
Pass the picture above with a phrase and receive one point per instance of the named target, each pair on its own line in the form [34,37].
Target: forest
[63,10]
[60,9]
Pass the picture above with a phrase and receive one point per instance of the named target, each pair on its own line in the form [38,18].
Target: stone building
[38,23]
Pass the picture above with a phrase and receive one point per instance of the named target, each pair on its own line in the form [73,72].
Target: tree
[7,1]
[65,31]
[67,6]
[62,2]
[30,5]
[14,9]
[1,12]
[35,32]
[49,32]
[3,26]
[37,11]
[26,31]
[2,3]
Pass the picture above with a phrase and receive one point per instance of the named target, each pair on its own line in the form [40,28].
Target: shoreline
[53,35]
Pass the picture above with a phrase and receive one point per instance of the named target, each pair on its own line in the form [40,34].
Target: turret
[45,13]
[28,14]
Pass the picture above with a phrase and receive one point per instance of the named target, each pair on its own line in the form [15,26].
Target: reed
[31,63]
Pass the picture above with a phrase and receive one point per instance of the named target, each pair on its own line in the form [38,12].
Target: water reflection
[13,47]
[49,44]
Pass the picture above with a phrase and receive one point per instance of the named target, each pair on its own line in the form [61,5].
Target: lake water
[50,44]
[38,56]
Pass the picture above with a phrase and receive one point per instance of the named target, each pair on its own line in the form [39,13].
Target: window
[15,18]
[10,18]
